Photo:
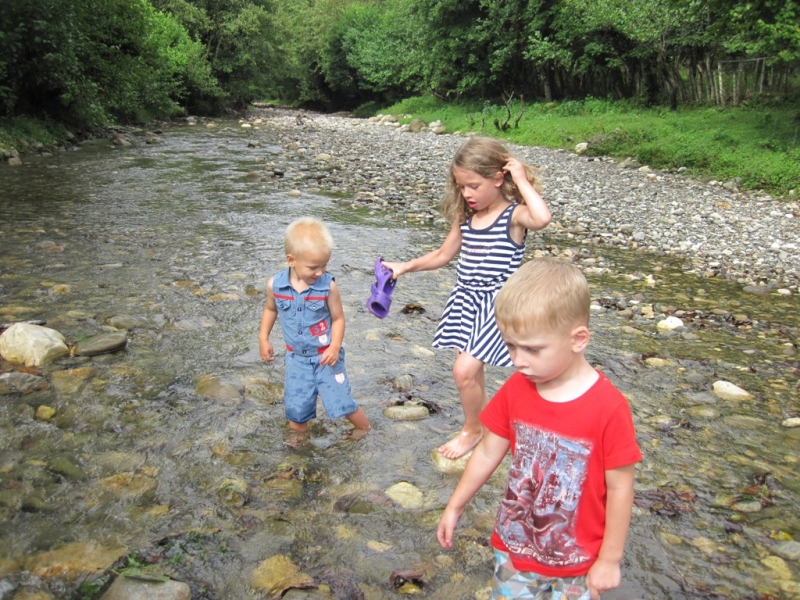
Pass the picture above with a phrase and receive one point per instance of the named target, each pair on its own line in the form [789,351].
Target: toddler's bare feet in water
[460,445]
[355,434]
[295,438]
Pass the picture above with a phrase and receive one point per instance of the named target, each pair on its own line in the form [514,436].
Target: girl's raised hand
[516,169]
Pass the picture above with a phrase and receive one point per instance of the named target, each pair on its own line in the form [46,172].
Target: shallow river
[171,452]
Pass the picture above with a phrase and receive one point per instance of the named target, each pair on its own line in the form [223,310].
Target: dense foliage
[86,62]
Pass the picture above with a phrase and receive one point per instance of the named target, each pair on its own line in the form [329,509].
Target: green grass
[23,133]
[760,144]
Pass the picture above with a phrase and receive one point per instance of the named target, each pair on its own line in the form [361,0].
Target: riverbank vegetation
[756,146]
[85,63]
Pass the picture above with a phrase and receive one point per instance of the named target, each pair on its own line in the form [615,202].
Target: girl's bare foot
[461,444]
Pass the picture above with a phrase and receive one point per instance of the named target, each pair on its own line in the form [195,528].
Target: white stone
[729,391]
[405,494]
[32,345]
[669,324]
[581,148]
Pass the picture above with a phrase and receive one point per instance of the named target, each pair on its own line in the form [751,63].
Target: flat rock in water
[445,465]
[406,412]
[101,344]
[20,383]
[133,588]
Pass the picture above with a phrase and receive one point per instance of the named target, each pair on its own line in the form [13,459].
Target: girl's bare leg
[470,379]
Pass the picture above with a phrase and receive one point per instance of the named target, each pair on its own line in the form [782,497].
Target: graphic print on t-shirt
[537,517]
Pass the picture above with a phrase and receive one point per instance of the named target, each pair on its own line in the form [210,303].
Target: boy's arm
[331,355]
[432,260]
[484,460]
[605,573]
[268,318]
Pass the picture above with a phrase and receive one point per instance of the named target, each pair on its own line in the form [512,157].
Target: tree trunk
[721,85]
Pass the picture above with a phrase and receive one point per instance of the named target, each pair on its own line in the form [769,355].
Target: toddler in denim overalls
[306,301]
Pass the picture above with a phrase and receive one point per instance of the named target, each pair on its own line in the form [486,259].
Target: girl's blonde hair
[545,294]
[305,235]
[486,157]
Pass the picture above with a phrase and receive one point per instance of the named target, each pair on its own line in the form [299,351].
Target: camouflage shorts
[510,584]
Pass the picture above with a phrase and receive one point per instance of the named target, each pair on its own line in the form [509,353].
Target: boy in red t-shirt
[561,527]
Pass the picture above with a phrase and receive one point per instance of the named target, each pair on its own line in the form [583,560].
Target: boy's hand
[604,575]
[330,357]
[447,525]
[266,351]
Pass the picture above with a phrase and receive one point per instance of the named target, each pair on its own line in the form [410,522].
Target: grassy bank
[760,145]
[25,134]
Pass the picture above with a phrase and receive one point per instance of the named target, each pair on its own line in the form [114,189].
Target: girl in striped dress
[492,201]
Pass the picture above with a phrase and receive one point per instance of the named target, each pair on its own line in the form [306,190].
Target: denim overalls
[306,324]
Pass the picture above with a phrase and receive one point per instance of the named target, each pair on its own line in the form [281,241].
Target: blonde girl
[492,201]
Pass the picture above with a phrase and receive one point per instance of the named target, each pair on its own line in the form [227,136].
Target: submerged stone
[101,344]
[277,574]
[405,494]
[406,412]
[134,588]
[729,391]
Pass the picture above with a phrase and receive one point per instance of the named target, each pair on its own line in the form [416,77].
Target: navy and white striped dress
[488,258]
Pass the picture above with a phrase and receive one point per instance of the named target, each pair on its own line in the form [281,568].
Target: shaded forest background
[90,62]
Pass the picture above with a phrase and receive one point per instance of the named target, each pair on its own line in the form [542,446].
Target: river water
[171,452]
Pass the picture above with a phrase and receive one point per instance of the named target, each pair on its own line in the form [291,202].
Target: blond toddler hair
[545,293]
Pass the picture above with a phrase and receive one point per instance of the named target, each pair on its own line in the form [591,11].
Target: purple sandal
[381,298]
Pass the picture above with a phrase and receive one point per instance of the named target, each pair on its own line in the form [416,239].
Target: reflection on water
[141,458]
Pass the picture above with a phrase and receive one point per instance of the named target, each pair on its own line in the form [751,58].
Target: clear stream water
[140,460]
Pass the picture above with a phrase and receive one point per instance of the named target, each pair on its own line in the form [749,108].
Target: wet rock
[70,381]
[20,383]
[263,391]
[790,550]
[277,574]
[131,588]
[101,344]
[406,495]
[751,506]
[128,485]
[445,465]
[703,412]
[213,388]
[669,324]
[728,391]
[44,413]
[778,566]
[32,345]
[402,383]
[406,412]
[790,422]
[75,560]
[232,492]
[655,361]
[127,322]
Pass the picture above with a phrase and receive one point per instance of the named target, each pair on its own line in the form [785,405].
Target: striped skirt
[468,324]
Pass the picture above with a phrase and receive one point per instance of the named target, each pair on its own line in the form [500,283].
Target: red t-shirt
[552,517]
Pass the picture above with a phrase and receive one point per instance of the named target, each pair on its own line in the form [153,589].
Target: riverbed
[171,453]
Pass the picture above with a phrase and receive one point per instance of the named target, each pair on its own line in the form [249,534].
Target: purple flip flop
[381,298]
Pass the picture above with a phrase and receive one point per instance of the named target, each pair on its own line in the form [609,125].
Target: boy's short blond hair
[305,235]
[545,293]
